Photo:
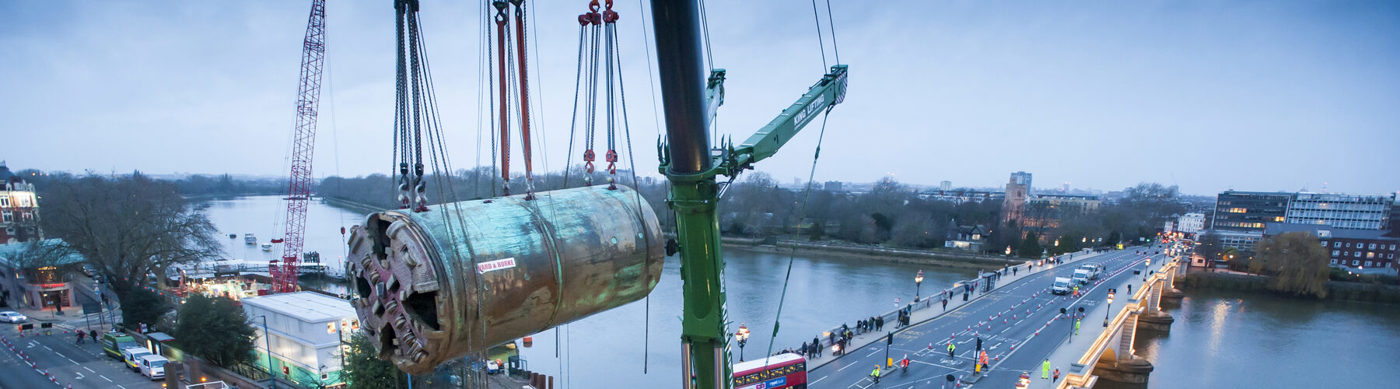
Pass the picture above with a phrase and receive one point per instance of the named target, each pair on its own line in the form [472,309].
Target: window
[1373,246]
[1355,262]
[1336,244]
[1368,263]
[1334,261]
[1370,254]
[1392,247]
[4,201]
[8,217]
[1358,254]
[1336,252]
[1348,244]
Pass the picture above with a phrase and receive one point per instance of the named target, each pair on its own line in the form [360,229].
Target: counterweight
[313,58]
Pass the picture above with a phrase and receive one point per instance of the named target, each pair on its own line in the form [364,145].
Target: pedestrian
[1013,271]
[964,296]
[875,375]
[951,348]
[805,349]
[860,326]
[1045,369]
[1057,375]
[92,334]
[1130,289]
[817,346]
[880,323]
[945,305]
[1076,326]
[80,336]
[982,360]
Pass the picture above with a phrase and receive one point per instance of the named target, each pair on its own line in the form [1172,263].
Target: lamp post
[742,336]
[267,342]
[918,280]
[1110,308]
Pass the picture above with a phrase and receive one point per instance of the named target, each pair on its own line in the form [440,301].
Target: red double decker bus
[787,370]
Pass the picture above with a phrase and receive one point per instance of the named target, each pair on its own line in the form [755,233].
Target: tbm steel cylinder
[462,277]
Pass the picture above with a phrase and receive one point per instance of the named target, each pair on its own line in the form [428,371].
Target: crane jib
[807,113]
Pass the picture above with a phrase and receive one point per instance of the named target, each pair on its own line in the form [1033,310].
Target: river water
[1228,339]
[264,217]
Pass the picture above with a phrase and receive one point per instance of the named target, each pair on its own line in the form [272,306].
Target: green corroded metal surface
[465,276]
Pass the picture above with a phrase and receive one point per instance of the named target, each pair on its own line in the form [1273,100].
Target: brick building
[19,209]
[1349,248]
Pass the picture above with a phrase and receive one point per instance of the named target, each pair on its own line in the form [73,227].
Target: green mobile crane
[687,160]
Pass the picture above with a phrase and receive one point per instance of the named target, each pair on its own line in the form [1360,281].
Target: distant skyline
[1248,95]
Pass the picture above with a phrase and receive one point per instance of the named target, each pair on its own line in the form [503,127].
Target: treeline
[890,214]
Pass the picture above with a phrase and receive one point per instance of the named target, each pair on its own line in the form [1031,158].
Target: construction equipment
[435,286]
[313,58]
[687,161]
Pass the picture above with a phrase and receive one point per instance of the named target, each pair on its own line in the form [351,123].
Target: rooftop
[305,306]
[1324,232]
[56,250]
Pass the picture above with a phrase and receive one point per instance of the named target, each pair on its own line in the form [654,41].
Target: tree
[364,369]
[215,329]
[1030,246]
[127,226]
[1295,262]
[140,305]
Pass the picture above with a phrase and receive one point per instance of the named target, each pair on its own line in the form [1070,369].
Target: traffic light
[889,338]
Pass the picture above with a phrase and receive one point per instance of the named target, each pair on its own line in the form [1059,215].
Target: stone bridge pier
[1118,362]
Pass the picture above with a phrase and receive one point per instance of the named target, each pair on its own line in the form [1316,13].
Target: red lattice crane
[313,58]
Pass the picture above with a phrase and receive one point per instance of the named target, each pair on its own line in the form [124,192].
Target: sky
[1207,95]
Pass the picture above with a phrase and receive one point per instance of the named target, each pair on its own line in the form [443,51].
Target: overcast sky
[1251,95]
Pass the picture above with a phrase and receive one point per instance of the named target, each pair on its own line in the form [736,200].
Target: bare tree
[127,226]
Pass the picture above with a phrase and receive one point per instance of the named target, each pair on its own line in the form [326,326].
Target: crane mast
[313,58]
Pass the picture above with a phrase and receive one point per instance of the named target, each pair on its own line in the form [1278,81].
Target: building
[960,196]
[1248,211]
[19,209]
[1356,250]
[305,331]
[832,186]
[1018,191]
[1361,212]
[32,274]
[945,185]
[970,238]
[1083,203]
[1191,223]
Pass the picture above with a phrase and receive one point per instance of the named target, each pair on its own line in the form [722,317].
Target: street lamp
[918,280]
[743,337]
[1110,308]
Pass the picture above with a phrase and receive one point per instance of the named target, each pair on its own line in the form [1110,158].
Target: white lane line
[819,380]
[105,378]
[844,368]
[90,370]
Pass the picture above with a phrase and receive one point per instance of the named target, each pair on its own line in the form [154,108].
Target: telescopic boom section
[313,58]
[689,164]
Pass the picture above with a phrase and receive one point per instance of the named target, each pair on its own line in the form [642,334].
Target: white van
[153,366]
[1081,276]
[1061,286]
[132,357]
[1093,271]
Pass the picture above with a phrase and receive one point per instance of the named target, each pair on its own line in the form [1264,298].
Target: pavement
[35,361]
[1018,322]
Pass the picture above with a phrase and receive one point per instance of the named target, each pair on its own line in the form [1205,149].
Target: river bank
[916,257]
[1336,290]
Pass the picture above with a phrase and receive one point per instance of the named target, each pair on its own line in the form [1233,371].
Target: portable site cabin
[304,330]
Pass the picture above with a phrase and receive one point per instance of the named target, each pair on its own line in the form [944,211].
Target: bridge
[1020,325]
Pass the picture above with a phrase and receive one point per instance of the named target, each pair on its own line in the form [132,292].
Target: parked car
[132,357]
[13,317]
[153,366]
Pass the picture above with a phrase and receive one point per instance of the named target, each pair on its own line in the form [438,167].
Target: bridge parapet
[1111,356]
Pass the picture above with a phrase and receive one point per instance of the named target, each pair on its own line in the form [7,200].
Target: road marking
[80,375]
[105,378]
[90,370]
[844,368]
[819,380]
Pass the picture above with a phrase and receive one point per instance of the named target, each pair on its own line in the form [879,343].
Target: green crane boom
[687,161]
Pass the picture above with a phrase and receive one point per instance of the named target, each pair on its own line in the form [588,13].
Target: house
[968,238]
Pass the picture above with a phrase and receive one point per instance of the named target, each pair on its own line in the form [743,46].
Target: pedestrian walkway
[932,307]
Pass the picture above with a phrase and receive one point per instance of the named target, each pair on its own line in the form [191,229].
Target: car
[13,317]
[153,366]
[1081,276]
